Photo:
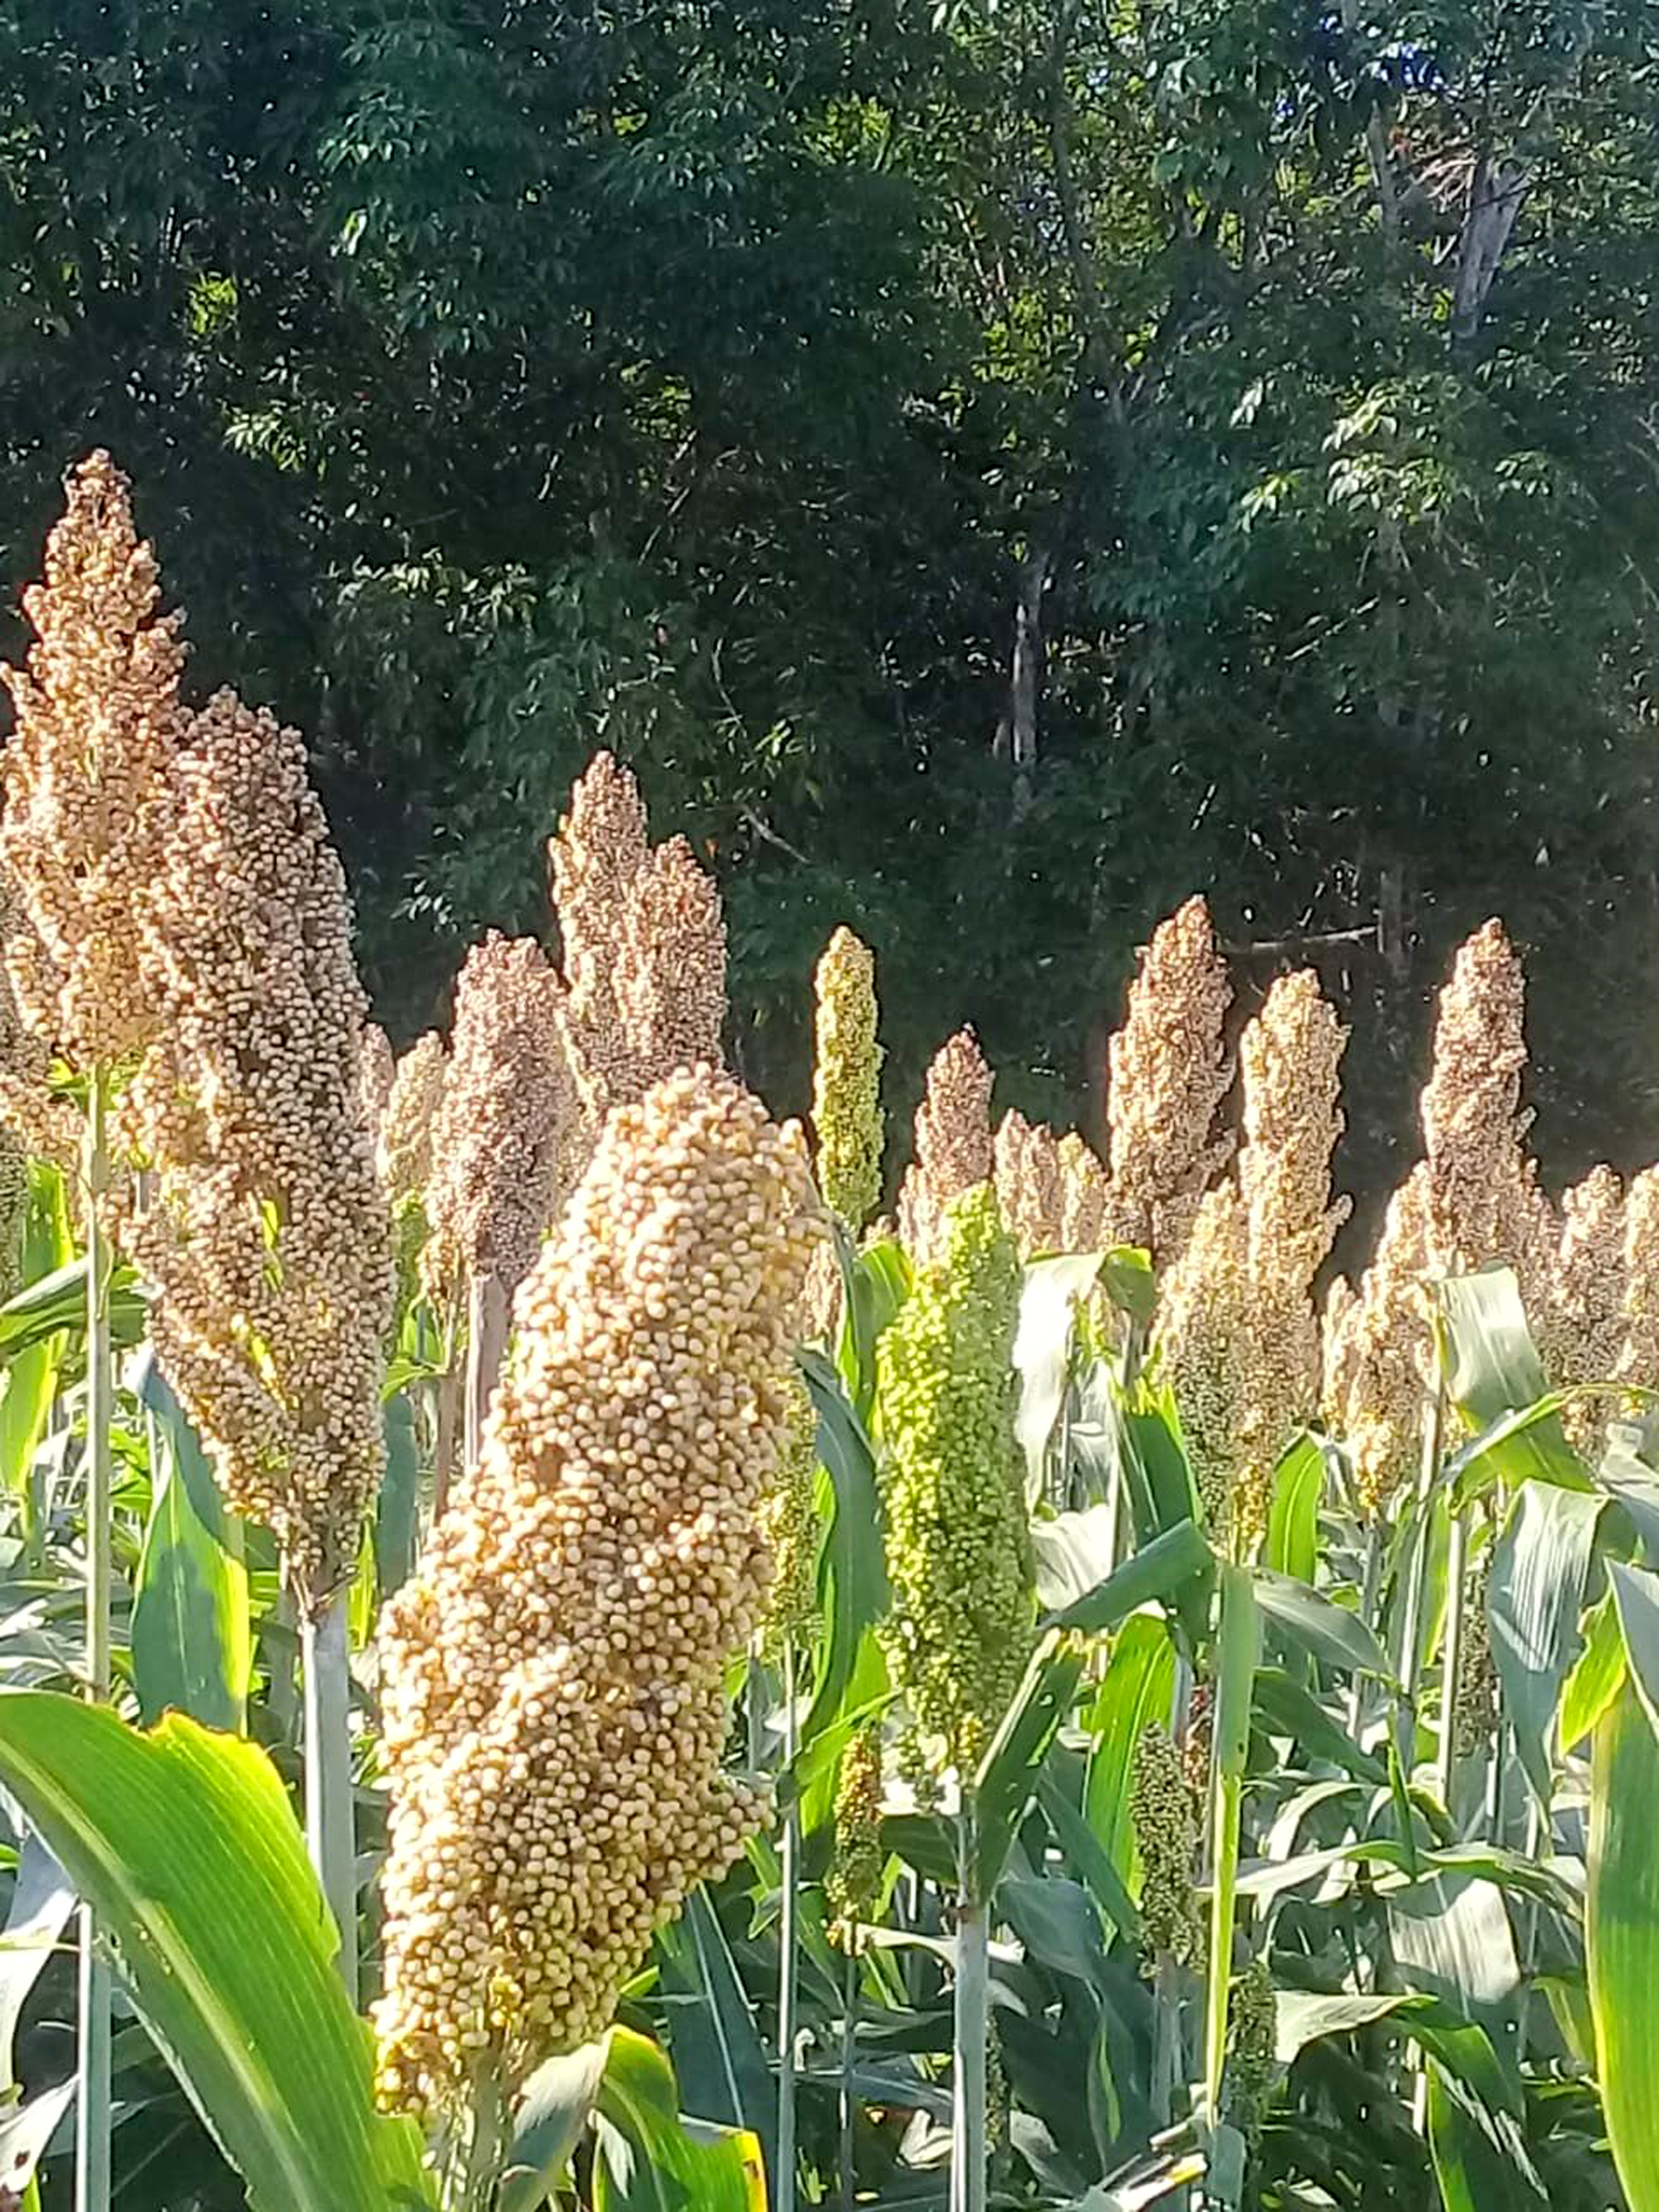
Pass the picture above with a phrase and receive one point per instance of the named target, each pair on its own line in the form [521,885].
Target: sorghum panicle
[852,1885]
[1290,1060]
[553,1675]
[1085,1222]
[1168,1825]
[98,719]
[404,1152]
[1031,1189]
[1202,1325]
[789,1523]
[846,1112]
[1377,1353]
[953,1148]
[1169,1074]
[1638,1362]
[963,1620]
[380,1071]
[643,944]
[1580,1329]
[268,1240]
[500,1139]
[1482,1199]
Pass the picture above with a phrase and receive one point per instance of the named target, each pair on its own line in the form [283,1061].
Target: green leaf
[1293,1544]
[1238,1650]
[650,2159]
[853,1566]
[1286,1707]
[1624,1477]
[1162,1491]
[1126,1276]
[1083,1852]
[1492,1374]
[552,2112]
[1326,1632]
[57,1305]
[29,1386]
[719,2058]
[1157,1571]
[1139,1687]
[1480,2158]
[876,1283]
[42,1899]
[1596,1676]
[1621,1940]
[192,1644]
[1636,1600]
[1007,1777]
[184,1844]
[1302,2016]
[1043,1350]
[26,2132]
[1534,1594]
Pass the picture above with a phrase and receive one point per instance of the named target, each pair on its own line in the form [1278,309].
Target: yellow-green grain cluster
[847,1115]
[960,1626]
[1165,1811]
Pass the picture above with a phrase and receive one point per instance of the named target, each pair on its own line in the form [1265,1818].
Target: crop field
[568,1640]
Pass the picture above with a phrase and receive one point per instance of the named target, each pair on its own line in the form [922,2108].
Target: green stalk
[1434,1418]
[848,2113]
[1237,1648]
[1451,1658]
[1167,2045]
[788,1953]
[486,1348]
[1369,1590]
[92,2095]
[330,1815]
[970,2021]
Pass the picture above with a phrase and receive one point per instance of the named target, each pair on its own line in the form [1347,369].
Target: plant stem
[1223,1889]
[486,1347]
[1166,2040]
[845,2178]
[92,2120]
[970,2021]
[331,1823]
[1451,1658]
[1434,1415]
[443,1443]
[788,1952]
[1368,1596]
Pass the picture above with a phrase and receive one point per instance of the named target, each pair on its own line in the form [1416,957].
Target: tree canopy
[992,466]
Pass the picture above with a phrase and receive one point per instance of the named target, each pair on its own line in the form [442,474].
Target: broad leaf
[184,1844]
[1534,1598]
[1597,1675]
[1492,1374]
[1326,1632]
[1621,1940]
[651,2160]
[548,2123]
[852,1566]
[192,1645]
[719,2058]
[1159,1570]
[1635,1600]
[1293,1542]
[1043,1350]
[1007,1777]
[1138,1687]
